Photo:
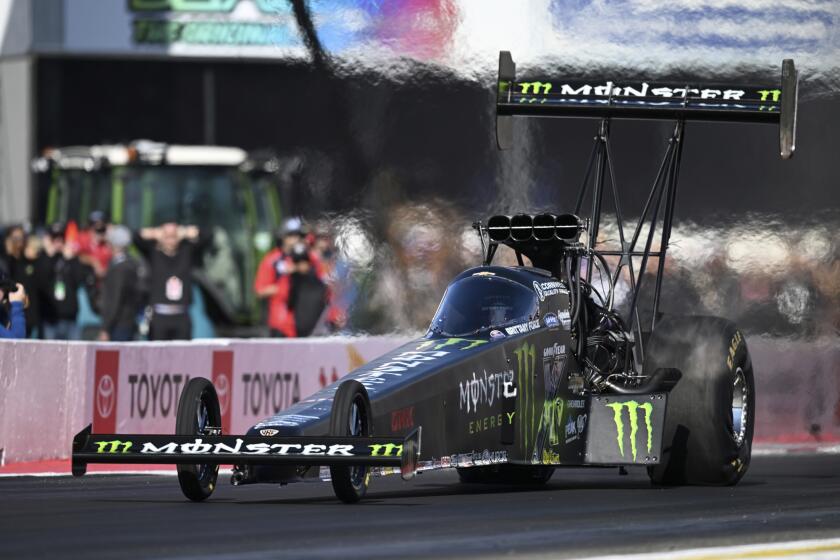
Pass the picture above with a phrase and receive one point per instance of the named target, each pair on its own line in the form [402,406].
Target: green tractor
[142,184]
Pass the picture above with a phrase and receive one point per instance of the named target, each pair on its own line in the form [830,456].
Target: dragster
[529,368]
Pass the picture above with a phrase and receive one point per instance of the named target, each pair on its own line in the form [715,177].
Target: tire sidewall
[698,442]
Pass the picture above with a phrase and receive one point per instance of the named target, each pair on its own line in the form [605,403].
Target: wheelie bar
[246,450]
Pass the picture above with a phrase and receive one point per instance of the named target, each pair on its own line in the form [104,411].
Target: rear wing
[770,104]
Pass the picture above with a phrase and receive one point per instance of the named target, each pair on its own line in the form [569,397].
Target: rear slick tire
[350,416]
[709,421]
[198,409]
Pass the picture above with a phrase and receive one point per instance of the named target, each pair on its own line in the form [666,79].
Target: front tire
[198,409]
[350,416]
[709,421]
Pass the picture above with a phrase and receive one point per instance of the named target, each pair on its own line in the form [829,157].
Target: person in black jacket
[307,293]
[121,294]
[171,252]
[59,275]
[14,262]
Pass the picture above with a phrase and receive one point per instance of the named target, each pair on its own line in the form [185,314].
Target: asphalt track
[580,512]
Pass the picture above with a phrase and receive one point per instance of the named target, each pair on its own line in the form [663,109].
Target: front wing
[246,450]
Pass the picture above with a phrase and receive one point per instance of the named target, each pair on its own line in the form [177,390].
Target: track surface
[579,512]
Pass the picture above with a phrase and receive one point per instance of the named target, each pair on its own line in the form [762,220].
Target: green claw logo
[112,446]
[385,450]
[632,410]
[526,357]
[535,87]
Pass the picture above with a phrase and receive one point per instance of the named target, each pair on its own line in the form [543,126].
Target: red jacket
[275,268]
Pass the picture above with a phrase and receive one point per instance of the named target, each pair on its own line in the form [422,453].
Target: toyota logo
[105,396]
[223,392]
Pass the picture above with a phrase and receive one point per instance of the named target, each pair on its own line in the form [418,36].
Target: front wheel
[350,416]
[709,422]
[198,415]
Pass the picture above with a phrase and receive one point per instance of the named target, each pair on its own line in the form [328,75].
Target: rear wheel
[709,421]
[198,411]
[350,416]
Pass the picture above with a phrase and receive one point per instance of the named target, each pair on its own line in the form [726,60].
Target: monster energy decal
[633,411]
[526,359]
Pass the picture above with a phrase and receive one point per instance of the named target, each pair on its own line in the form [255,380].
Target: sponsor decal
[736,341]
[222,378]
[575,382]
[155,395]
[575,427]
[551,321]
[402,419]
[288,420]
[199,447]
[494,334]
[269,393]
[548,289]
[113,446]
[491,422]
[324,379]
[485,273]
[460,343]
[526,357]
[479,458]
[637,90]
[551,423]
[268,432]
[400,364]
[385,450]
[554,358]
[523,328]
[565,318]
[634,410]
[106,370]
[576,403]
[484,390]
[538,289]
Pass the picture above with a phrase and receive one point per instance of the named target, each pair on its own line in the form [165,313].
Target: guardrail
[49,390]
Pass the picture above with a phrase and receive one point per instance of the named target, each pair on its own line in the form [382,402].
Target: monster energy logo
[769,95]
[526,357]
[385,450]
[535,87]
[772,94]
[437,344]
[112,446]
[632,410]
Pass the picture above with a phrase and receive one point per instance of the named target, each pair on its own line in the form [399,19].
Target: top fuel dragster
[524,368]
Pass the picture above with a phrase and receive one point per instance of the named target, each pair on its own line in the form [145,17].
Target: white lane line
[805,549]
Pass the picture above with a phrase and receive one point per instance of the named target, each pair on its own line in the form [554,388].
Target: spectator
[171,251]
[273,280]
[12,318]
[59,276]
[94,251]
[121,293]
[19,264]
[307,292]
